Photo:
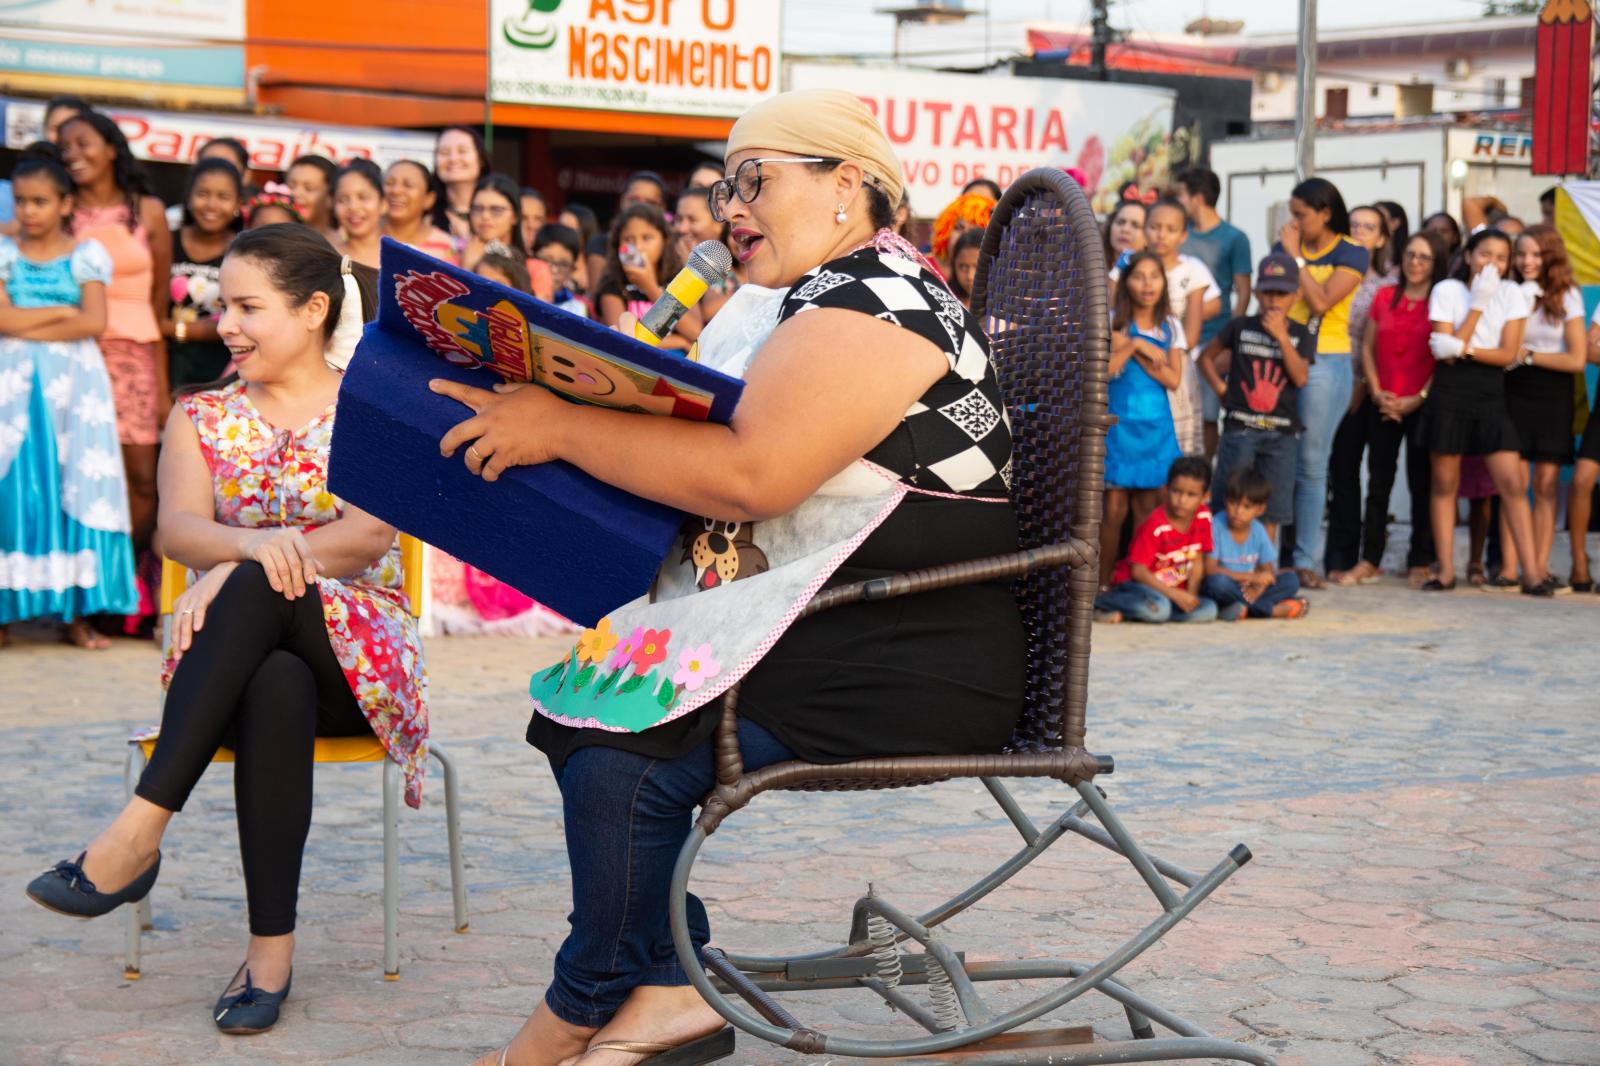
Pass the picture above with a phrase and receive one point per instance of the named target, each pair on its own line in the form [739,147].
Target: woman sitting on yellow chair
[298,627]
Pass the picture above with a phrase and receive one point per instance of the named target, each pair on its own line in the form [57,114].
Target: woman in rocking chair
[298,627]
[870,439]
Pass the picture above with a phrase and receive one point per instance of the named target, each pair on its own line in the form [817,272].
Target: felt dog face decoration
[722,552]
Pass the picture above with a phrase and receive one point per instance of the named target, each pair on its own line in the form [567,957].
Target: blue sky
[851,26]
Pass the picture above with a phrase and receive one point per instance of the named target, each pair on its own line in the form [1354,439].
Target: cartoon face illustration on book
[593,378]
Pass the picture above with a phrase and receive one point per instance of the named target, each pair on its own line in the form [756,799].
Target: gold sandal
[704,1049]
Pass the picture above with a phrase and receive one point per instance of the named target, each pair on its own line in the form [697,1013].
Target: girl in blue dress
[1147,353]
[65,550]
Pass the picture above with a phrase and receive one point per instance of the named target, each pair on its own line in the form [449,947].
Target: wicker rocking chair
[1041,292]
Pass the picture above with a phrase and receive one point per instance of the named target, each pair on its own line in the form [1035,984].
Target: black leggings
[260,678]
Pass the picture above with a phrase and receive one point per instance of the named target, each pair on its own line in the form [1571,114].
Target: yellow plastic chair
[367,749]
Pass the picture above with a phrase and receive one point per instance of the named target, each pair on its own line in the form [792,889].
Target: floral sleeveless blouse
[262,476]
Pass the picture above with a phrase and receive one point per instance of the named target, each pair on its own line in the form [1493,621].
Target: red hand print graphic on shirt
[1266,386]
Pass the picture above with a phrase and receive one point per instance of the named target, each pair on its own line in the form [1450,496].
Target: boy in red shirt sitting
[1160,579]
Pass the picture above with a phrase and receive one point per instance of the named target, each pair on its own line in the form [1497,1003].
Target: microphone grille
[711,260]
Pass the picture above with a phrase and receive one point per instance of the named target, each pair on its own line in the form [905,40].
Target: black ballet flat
[251,1010]
[1435,585]
[65,890]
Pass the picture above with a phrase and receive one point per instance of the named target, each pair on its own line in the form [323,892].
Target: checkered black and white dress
[956,438]
[939,673]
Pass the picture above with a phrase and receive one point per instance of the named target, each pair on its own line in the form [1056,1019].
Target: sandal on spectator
[1501,584]
[1298,607]
[1310,579]
[1435,585]
[1418,576]
[1476,574]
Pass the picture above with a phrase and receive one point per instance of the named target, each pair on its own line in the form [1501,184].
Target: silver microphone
[708,264]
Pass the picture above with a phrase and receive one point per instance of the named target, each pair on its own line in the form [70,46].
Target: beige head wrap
[824,122]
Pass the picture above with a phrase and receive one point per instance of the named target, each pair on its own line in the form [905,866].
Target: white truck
[1424,167]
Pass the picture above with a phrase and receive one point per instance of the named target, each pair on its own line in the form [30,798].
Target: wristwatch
[1527,357]
[1299,260]
[1466,353]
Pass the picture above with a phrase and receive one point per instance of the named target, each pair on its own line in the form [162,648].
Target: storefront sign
[164,137]
[679,57]
[948,129]
[211,67]
[160,20]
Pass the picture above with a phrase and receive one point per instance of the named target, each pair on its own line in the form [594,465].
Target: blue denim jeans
[1229,595]
[627,816]
[1141,603]
[1323,403]
[1269,452]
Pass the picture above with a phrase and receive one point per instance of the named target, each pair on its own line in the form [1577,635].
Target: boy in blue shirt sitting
[1241,577]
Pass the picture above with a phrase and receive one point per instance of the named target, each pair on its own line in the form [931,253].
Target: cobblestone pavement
[1419,778]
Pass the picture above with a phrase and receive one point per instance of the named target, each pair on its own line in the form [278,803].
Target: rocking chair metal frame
[1041,291]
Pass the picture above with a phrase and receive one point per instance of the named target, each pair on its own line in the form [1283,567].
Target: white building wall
[1373,89]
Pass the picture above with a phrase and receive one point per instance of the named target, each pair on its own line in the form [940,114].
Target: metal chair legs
[960,1022]
[140,919]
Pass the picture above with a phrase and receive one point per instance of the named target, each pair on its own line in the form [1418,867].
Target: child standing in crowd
[65,551]
[1269,358]
[508,270]
[1540,388]
[1398,367]
[1585,473]
[1159,580]
[560,249]
[409,195]
[587,272]
[1194,295]
[1477,334]
[1370,229]
[1242,571]
[1332,267]
[310,181]
[113,207]
[272,206]
[195,354]
[642,258]
[1147,357]
[358,207]
[1225,250]
[964,265]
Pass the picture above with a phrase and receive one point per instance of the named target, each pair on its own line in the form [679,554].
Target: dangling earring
[839,218]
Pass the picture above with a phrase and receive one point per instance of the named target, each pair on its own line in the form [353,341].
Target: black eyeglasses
[746,182]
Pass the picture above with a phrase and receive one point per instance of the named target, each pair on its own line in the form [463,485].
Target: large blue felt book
[575,544]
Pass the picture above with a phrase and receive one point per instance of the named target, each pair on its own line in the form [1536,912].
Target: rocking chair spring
[885,950]
[942,994]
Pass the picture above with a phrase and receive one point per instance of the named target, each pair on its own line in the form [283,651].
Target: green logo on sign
[535,28]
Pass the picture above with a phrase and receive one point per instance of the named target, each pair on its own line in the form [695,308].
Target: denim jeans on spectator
[1271,453]
[626,817]
[1323,403]
[1141,603]
[1226,593]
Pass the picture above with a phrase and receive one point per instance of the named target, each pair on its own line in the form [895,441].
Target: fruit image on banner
[948,129]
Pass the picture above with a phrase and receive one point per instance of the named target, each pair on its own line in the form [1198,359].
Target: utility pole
[1100,24]
[1305,94]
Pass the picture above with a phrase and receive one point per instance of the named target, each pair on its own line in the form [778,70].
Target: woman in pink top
[114,209]
[409,193]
